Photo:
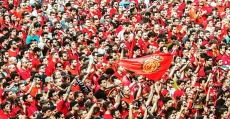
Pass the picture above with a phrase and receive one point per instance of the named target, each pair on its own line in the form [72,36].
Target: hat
[179,94]
[99,66]
[48,79]
[39,10]
[72,103]
[108,92]
[164,92]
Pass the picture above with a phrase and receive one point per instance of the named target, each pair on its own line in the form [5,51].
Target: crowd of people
[59,59]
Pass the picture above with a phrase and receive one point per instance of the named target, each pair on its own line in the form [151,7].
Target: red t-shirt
[12,53]
[35,63]
[107,116]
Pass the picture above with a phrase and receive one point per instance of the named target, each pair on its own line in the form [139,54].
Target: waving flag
[151,66]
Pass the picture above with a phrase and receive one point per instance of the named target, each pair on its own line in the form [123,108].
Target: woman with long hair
[124,109]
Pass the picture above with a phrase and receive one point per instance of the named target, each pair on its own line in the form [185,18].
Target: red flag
[151,66]
[133,45]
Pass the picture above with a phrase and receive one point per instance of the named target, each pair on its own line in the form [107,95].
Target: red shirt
[52,66]
[30,108]
[31,56]
[4,116]
[14,111]
[107,116]
[120,76]
[147,43]
[25,74]
[63,107]
[87,31]
[47,71]
[35,63]
[126,81]
[66,63]
[12,53]
[226,60]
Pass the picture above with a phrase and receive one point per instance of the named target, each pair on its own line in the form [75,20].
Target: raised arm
[91,111]
[150,95]
[117,99]
[68,90]
[30,89]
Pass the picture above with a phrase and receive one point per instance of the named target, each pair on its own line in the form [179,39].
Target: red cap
[39,10]
[108,92]
[179,94]
[164,92]
[99,66]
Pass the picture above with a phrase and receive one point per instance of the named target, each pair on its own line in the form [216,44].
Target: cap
[48,79]
[108,92]
[179,94]
[164,92]
[99,66]
[39,10]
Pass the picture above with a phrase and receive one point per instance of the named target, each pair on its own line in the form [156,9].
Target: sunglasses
[60,66]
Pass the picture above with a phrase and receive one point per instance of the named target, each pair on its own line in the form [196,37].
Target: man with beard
[12,51]
[114,21]
[4,42]
[60,31]
[80,38]
[24,72]
[78,95]
[116,114]
[54,44]
[70,33]
[87,28]
[36,59]
[108,106]
[5,56]
[73,67]
[3,68]
[63,59]
[110,64]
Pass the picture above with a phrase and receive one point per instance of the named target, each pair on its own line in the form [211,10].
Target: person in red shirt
[73,67]
[126,81]
[87,28]
[36,59]
[226,56]
[6,110]
[12,51]
[95,76]
[24,72]
[63,59]
[52,63]
[120,73]
[30,107]
[108,107]
[151,41]
[64,105]
[110,64]
[133,11]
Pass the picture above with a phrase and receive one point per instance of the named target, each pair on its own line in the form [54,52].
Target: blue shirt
[124,4]
[29,38]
